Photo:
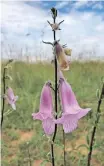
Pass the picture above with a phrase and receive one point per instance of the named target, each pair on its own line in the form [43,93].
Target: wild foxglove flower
[45,110]
[11,98]
[61,56]
[72,112]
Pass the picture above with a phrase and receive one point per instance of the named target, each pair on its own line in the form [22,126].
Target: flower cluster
[72,112]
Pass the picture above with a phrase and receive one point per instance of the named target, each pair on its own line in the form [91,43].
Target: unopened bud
[54,12]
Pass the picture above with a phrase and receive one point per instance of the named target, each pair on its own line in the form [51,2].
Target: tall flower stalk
[55,27]
[95,126]
[71,111]
[54,12]
[64,148]
[4,89]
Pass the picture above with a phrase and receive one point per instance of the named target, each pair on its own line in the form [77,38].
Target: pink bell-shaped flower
[71,109]
[11,98]
[45,110]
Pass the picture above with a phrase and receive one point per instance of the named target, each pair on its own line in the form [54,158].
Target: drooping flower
[11,98]
[72,112]
[45,110]
[61,56]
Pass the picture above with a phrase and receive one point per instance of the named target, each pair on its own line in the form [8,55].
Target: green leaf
[8,112]
[98,93]
[87,139]
[102,79]
[48,154]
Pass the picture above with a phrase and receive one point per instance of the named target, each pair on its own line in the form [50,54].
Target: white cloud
[100,27]
[79,4]
[62,4]
[98,5]
[83,32]
[20,16]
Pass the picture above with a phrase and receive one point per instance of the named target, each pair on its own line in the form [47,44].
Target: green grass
[28,80]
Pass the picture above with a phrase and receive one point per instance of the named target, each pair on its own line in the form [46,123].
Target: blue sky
[66,6]
[82,30]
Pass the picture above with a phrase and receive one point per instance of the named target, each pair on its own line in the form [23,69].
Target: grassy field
[23,140]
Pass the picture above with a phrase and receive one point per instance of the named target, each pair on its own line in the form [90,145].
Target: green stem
[53,139]
[64,148]
[95,127]
[4,90]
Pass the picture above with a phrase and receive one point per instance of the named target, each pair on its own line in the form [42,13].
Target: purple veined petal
[11,102]
[69,122]
[39,116]
[68,99]
[45,110]
[48,126]
[10,98]
[46,107]
[72,112]
[83,112]
[10,94]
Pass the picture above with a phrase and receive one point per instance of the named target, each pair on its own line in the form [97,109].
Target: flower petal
[68,99]
[48,126]
[71,109]
[39,116]
[10,93]
[83,112]
[69,122]
[46,106]
[13,106]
